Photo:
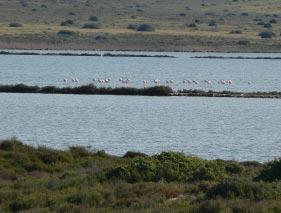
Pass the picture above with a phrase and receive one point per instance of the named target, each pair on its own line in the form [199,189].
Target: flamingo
[157,82]
[195,82]
[230,82]
[145,82]
[221,82]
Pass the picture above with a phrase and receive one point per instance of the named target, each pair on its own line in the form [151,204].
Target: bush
[266,34]
[192,25]
[65,33]
[15,24]
[273,21]
[131,154]
[243,188]
[67,23]
[93,18]
[132,26]
[91,26]
[268,25]
[236,32]
[212,23]
[271,171]
[260,23]
[146,28]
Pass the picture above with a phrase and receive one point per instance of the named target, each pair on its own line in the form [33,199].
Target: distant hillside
[176,25]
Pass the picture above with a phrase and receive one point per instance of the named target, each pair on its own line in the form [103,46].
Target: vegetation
[92,89]
[89,89]
[67,23]
[15,24]
[91,26]
[93,18]
[66,33]
[266,34]
[146,28]
[82,180]
[42,21]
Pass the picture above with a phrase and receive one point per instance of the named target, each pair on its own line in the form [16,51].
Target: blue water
[265,75]
[227,128]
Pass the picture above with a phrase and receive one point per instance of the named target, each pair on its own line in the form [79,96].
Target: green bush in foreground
[80,180]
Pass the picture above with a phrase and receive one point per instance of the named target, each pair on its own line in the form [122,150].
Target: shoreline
[141,50]
[108,54]
[161,90]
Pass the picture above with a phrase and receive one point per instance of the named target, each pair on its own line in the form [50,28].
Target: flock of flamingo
[157,82]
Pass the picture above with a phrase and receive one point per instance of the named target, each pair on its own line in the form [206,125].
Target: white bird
[221,82]
[65,80]
[156,81]
[145,82]
[230,82]
[249,82]
[209,82]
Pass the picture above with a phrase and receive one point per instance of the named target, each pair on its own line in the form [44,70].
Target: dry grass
[169,18]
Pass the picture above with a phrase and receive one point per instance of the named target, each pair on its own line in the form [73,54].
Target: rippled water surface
[228,128]
[265,75]
[241,129]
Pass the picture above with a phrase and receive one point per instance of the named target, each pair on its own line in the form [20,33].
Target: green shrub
[246,189]
[132,26]
[212,23]
[131,154]
[271,171]
[192,25]
[67,23]
[145,28]
[91,26]
[93,18]
[268,25]
[266,34]
[66,33]
[15,24]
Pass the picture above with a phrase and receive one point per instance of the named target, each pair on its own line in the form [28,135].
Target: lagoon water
[265,75]
[227,128]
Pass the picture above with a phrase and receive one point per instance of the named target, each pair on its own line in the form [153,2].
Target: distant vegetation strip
[231,94]
[89,89]
[92,89]
[238,57]
[85,54]
[41,179]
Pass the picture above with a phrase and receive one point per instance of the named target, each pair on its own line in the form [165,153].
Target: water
[227,128]
[265,75]
[240,129]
